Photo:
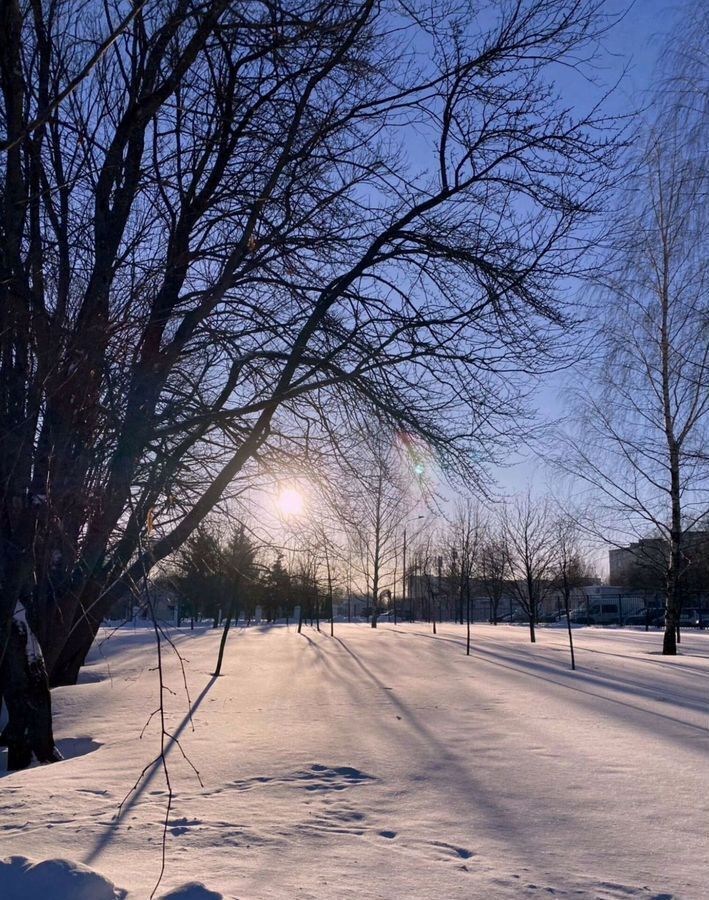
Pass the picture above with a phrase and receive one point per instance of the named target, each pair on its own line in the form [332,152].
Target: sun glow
[290,502]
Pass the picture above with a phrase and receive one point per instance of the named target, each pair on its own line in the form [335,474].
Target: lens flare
[418,456]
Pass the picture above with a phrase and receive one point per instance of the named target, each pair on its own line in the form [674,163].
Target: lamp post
[403,575]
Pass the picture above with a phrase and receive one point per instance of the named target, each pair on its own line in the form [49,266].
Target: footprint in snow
[450,851]
[440,850]
[317,778]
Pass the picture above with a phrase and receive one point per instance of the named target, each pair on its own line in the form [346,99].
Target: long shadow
[653,656]
[519,656]
[527,666]
[648,658]
[154,768]
[476,790]
[126,636]
[121,646]
[621,683]
[701,673]
[320,655]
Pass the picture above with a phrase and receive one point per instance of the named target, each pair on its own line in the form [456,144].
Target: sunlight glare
[290,502]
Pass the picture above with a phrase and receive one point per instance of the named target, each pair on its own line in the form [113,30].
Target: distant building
[428,595]
[160,599]
[643,564]
[352,607]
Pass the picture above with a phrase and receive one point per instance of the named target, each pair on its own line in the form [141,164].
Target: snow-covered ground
[378,764]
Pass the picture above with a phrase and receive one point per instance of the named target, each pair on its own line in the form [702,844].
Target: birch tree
[642,435]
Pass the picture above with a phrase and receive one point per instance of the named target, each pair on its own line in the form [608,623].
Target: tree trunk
[669,640]
[674,600]
[65,649]
[568,625]
[69,660]
[467,645]
[25,688]
[329,593]
[232,612]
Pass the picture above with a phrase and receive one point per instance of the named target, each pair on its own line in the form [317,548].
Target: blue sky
[634,48]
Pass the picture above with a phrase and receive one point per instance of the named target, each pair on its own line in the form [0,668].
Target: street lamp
[403,577]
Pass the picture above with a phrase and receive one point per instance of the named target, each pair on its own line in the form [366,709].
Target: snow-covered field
[378,764]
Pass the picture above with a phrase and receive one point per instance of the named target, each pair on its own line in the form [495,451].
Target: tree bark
[673,603]
[232,612]
[65,668]
[25,689]
[467,606]
[568,625]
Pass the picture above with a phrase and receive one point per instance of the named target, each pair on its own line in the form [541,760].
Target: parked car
[650,615]
[550,618]
[519,615]
[607,613]
[694,618]
[691,617]
[581,617]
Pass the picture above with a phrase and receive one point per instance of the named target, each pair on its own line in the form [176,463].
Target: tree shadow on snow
[154,769]
[70,748]
[486,800]
[582,682]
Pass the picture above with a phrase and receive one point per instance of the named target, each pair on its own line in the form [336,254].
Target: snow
[59,879]
[195,890]
[379,764]
[32,649]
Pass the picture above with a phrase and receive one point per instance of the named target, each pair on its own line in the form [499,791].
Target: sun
[290,502]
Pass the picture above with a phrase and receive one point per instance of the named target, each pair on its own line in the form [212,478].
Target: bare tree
[330,540]
[191,281]
[642,436]
[427,562]
[569,569]
[530,544]
[494,566]
[375,507]
[466,536]
[305,588]
[238,570]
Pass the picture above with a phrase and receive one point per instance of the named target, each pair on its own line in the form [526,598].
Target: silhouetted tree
[191,283]
[530,546]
